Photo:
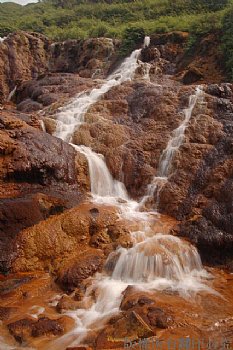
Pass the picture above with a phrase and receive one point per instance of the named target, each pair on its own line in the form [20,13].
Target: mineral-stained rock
[127,326]
[5,312]
[79,269]
[158,318]
[192,75]
[200,188]
[24,328]
[46,326]
[86,57]
[39,176]
[62,244]
[23,56]
[66,303]
[50,92]
[21,329]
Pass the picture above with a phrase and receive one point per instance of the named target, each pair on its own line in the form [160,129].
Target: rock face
[40,176]
[43,225]
[89,58]
[200,188]
[138,120]
[28,56]
[69,244]
[23,56]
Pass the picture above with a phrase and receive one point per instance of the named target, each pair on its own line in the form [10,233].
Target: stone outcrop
[40,176]
[200,188]
[90,58]
[23,56]
[64,244]
[50,92]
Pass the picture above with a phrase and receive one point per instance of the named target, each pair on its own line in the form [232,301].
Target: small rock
[21,329]
[5,312]
[158,318]
[46,326]
[191,76]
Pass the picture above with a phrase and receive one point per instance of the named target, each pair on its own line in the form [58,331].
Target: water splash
[102,182]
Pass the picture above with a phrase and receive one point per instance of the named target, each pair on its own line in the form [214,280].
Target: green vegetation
[125,19]
[227,40]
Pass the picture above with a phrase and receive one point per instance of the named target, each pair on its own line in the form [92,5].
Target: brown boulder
[45,326]
[129,326]
[149,54]
[77,270]
[21,329]
[158,318]
[25,328]
[62,243]
[192,75]
[86,57]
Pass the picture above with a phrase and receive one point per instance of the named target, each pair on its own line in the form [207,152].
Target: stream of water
[166,159]
[155,261]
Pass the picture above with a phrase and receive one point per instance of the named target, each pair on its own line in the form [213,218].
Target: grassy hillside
[63,19]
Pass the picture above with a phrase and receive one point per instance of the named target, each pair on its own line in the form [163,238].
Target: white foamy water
[102,182]
[177,138]
[155,262]
[2,39]
[11,94]
[146,41]
[73,115]
[166,159]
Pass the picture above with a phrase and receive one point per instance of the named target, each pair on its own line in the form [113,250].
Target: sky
[21,2]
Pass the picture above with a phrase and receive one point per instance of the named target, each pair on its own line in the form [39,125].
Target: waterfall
[155,262]
[73,115]
[144,262]
[102,182]
[165,162]
[177,137]
[11,94]
[146,41]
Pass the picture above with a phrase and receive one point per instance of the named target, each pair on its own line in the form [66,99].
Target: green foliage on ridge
[123,19]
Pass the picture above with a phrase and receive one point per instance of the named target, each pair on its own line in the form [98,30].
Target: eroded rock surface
[23,56]
[40,176]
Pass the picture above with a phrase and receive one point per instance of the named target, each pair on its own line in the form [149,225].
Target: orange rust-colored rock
[39,176]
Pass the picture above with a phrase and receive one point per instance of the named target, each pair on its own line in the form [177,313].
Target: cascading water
[165,163]
[155,261]
[102,182]
[73,115]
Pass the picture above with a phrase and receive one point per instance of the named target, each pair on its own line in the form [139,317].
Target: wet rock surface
[39,177]
[199,190]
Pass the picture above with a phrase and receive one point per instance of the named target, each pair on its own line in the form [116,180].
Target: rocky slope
[47,221]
